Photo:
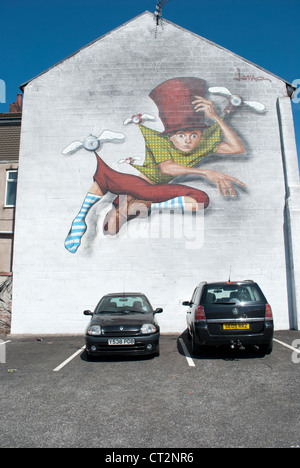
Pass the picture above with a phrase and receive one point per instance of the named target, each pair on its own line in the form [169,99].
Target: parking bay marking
[286,345]
[186,353]
[184,348]
[58,368]
[192,364]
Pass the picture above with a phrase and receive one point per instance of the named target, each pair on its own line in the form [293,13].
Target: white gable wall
[97,89]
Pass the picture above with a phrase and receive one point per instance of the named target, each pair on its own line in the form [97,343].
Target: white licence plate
[121,341]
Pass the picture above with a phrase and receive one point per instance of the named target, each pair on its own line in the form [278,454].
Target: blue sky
[36,35]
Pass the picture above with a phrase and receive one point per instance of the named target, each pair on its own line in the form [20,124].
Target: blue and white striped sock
[175,204]
[79,226]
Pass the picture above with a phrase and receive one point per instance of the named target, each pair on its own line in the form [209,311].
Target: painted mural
[187,140]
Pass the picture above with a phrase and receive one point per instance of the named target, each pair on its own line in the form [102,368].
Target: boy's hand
[206,106]
[223,181]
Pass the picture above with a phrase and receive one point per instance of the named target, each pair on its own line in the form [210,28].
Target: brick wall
[97,89]
[5,302]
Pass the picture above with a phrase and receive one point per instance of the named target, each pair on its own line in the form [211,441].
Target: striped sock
[175,204]
[79,227]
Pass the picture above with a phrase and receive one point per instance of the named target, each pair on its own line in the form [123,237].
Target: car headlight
[94,330]
[148,328]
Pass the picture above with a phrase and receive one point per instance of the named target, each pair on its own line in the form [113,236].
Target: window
[11,188]
[122,304]
[232,294]
[194,296]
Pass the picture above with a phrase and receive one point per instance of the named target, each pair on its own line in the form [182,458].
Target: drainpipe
[292,206]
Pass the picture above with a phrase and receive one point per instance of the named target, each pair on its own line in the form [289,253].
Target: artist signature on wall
[240,77]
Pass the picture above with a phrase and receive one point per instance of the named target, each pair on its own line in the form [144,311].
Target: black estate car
[234,313]
[122,323]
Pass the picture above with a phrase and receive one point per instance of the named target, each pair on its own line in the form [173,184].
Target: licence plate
[121,341]
[236,326]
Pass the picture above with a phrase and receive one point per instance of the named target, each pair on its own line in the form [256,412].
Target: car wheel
[266,348]
[89,356]
[195,348]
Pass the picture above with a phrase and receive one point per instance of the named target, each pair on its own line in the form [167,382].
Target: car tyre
[266,348]
[195,348]
[89,356]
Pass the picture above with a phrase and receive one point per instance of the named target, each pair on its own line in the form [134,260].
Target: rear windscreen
[231,293]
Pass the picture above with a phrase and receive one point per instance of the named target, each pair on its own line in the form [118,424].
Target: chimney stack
[16,107]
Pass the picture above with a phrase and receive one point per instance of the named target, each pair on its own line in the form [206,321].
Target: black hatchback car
[234,313]
[123,323]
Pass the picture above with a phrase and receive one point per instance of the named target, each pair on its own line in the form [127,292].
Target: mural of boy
[185,141]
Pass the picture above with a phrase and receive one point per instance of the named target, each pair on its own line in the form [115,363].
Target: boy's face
[186,141]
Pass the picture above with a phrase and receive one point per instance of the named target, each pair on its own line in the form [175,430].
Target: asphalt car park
[53,396]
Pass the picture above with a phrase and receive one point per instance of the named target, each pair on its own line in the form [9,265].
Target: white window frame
[8,180]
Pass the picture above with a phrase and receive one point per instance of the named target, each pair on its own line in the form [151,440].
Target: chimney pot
[19,100]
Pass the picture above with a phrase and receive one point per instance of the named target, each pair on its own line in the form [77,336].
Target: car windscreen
[231,293]
[123,304]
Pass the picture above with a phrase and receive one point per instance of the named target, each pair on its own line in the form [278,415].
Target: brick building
[10,130]
[72,244]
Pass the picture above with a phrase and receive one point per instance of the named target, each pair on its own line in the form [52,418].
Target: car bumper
[143,345]
[202,337]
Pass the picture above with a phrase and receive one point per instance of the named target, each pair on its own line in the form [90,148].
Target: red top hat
[174,101]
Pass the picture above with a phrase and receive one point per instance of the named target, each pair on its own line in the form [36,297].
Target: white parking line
[186,353]
[68,360]
[286,345]
[4,342]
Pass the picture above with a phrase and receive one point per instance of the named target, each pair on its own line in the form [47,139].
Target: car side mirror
[159,310]
[87,312]
[186,303]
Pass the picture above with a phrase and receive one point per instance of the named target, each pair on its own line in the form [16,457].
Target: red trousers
[127,184]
